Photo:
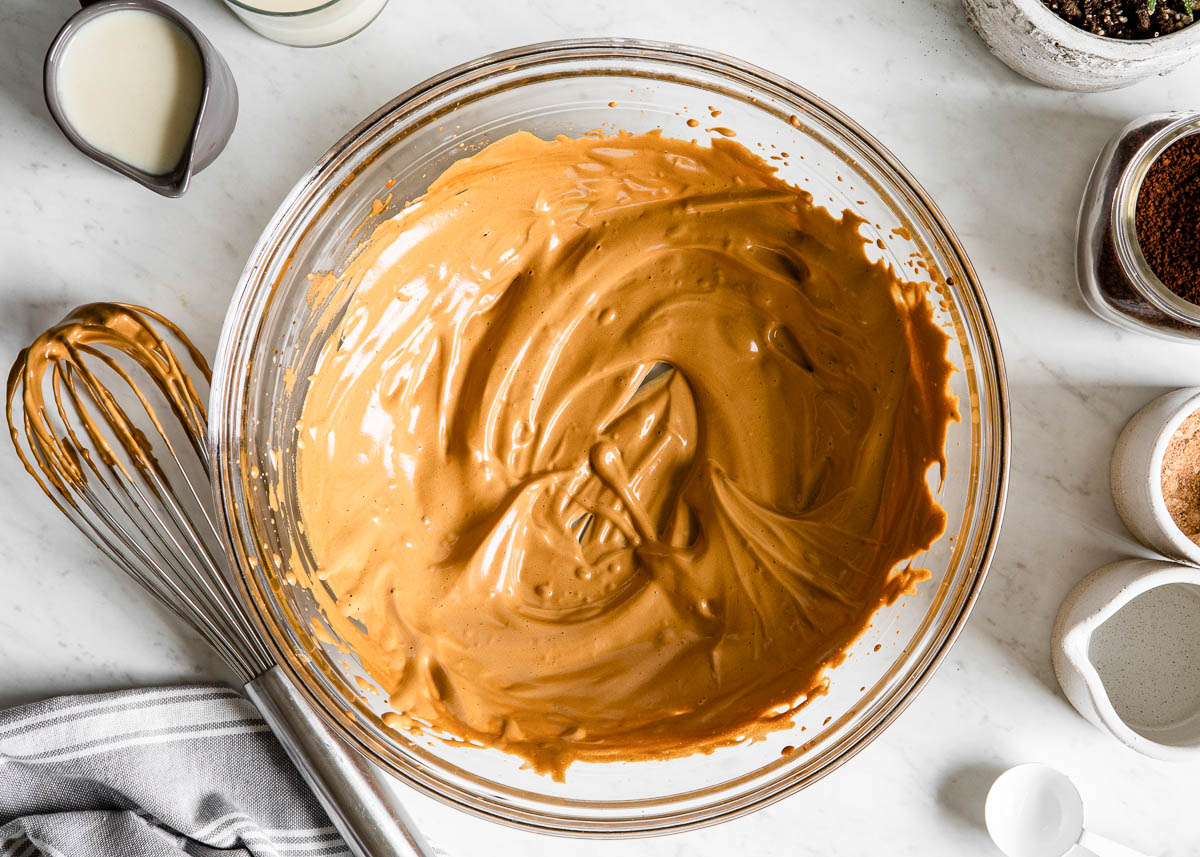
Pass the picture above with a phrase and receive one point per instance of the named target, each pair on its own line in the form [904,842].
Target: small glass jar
[307,25]
[1114,276]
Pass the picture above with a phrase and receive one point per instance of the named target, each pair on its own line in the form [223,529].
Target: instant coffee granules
[1115,278]
[1168,217]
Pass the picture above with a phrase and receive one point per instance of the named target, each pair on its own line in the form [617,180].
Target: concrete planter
[1034,41]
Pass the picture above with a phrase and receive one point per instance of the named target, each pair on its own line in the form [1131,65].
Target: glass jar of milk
[307,23]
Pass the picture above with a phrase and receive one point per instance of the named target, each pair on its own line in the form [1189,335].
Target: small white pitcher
[1095,600]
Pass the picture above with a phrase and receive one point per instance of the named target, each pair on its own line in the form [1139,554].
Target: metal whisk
[105,415]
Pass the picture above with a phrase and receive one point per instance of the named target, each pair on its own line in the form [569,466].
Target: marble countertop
[1005,159]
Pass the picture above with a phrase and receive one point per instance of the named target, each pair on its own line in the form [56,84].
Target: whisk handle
[354,793]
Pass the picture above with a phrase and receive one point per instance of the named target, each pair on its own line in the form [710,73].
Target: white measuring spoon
[1035,811]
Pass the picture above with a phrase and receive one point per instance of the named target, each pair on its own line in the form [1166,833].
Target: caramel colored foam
[619,445]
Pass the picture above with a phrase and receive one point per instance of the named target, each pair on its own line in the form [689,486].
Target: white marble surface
[1005,159]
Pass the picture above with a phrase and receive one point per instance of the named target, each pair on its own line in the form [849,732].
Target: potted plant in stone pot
[1088,45]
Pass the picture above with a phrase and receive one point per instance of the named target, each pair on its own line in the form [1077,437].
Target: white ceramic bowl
[1136,474]
[1095,600]
[1034,41]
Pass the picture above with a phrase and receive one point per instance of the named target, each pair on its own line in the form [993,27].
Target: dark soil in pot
[1125,19]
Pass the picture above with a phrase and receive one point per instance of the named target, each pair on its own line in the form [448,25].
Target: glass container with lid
[1117,282]
[307,23]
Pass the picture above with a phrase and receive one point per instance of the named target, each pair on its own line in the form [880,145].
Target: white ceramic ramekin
[1096,599]
[1136,474]
[1034,41]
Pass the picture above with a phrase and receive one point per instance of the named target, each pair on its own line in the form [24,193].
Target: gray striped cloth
[153,773]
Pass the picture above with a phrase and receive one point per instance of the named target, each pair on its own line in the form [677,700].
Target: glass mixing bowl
[277,325]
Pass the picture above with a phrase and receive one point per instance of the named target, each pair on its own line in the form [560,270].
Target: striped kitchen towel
[162,772]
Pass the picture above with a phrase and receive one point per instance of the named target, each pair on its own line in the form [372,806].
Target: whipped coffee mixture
[619,445]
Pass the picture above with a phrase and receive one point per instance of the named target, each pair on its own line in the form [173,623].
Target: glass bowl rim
[246,314]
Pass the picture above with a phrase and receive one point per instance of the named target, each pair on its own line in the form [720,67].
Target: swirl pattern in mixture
[620,443]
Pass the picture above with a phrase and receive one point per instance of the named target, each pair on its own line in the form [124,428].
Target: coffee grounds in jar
[1117,289]
[1168,217]
[1181,477]
[1123,19]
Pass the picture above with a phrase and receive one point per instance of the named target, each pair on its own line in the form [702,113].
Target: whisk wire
[186,584]
[170,589]
[97,535]
[88,451]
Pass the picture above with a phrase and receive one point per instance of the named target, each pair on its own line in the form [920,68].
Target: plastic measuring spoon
[1035,811]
